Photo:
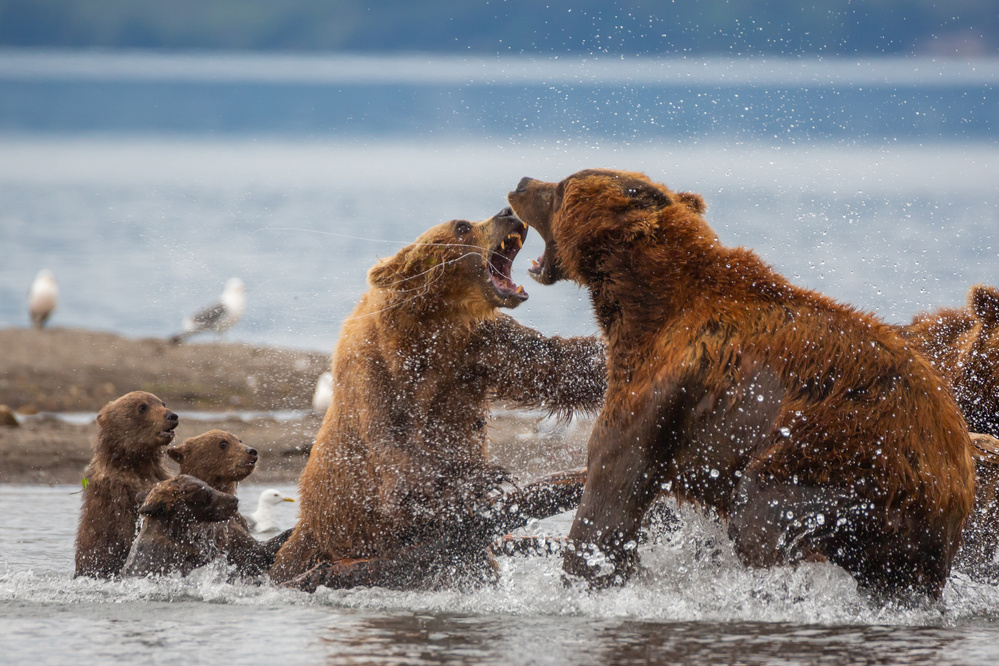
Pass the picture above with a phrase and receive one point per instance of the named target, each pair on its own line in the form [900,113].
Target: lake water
[694,603]
[144,182]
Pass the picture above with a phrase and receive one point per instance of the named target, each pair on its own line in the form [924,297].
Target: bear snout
[252,453]
[172,417]
[506,212]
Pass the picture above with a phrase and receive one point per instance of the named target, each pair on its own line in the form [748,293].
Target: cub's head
[460,262]
[185,499]
[977,387]
[216,457]
[137,423]
[592,213]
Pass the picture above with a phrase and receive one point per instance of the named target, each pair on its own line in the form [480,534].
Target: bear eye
[461,227]
[223,444]
[143,408]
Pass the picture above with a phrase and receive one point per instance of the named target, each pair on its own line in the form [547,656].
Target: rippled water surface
[693,602]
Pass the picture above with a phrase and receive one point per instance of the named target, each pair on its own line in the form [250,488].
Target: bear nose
[172,417]
[524,182]
[506,212]
[252,452]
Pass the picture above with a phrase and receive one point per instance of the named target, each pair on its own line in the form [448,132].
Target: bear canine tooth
[503,244]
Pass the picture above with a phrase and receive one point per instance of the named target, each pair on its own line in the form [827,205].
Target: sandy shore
[66,371]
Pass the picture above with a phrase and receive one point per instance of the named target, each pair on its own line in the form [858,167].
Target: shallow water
[692,602]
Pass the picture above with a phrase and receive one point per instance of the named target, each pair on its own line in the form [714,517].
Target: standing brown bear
[963,344]
[811,426]
[397,490]
[128,460]
[221,460]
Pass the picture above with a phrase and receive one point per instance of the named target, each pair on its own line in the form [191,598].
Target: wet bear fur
[128,460]
[172,538]
[220,459]
[963,344]
[811,427]
[399,473]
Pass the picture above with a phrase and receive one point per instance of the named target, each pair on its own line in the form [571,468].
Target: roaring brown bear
[221,460]
[128,460]
[810,426]
[172,538]
[397,490]
[963,344]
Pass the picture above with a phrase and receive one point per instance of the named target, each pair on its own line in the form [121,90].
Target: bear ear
[694,202]
[157,508]
[985,304]
[408,263]
[387,273]
[646,196]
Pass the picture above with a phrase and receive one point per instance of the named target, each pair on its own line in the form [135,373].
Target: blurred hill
[963,28]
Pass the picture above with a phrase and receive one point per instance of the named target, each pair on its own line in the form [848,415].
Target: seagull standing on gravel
[218,317]
[43,297]
[262,520]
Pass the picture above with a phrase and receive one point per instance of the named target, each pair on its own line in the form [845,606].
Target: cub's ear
[694,202]
[156,508]
[177,453]
[985,304]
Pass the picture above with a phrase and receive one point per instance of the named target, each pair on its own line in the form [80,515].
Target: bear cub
[172,538]
[221,460]
[128,460]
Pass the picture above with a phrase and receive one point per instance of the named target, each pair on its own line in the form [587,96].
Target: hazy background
[513,27]
[149,151]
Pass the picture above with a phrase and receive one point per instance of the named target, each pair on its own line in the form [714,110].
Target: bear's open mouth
[168,431]
[500,263]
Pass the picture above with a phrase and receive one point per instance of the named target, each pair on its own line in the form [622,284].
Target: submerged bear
[810,426]
[398,490]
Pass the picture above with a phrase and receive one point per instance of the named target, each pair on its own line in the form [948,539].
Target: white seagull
[262,520]
[43,297]
[220,316]
[323,396]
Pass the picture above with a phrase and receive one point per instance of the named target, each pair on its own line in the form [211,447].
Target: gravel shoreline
[71,370]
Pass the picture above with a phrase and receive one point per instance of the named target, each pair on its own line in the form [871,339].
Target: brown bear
[221,460]
[171,538]
[963,344]
[128,460]
[977,554]
[812,427]
[397,490]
